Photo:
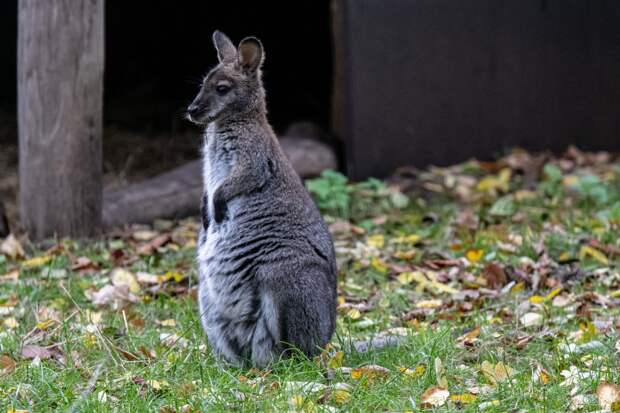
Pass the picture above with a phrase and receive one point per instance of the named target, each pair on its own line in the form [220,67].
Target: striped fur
[265,257]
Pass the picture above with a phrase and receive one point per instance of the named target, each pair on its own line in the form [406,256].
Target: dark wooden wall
[438,81]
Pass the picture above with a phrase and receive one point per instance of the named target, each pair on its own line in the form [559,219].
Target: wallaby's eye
[222,89]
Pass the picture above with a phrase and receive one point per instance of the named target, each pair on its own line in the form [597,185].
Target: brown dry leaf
[144,235]
[434,397]
[7,365]
[82,264]
[155,243]
[494,275]
[608,395]
[496,373]
[12,248]
[370,372]
[115,296]
[32,352]
[11,276]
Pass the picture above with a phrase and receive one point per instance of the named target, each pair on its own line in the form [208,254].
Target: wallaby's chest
[220,156]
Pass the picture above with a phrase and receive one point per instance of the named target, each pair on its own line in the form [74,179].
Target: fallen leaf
[463,398]
[11,276]
[354,314]
[496,373]
[415,373]
[144,235]
[10,323]
[434,397]
[170,322]
[429,304]
[440,373]
[370,372]
[171,340]
[33,352]
[37,261]
[7,365]
[590,252]
[474,256]
[531,319]
[11,247]
[376,241]
[121,276]
[494,275]
[608,395]
[115,296]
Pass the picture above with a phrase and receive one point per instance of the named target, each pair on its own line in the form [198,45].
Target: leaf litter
[495,285]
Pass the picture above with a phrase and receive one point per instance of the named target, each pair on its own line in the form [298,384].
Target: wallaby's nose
[193,109]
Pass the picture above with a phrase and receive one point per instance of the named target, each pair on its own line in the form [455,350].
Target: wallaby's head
[233,86]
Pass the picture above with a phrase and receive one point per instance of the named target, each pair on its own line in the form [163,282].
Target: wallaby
[266,259]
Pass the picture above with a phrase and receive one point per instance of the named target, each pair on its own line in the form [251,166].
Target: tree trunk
[60,93]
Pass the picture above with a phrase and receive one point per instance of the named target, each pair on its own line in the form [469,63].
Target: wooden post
[60,97]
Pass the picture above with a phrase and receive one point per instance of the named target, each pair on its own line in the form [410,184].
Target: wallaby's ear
[226,51]
[250,54]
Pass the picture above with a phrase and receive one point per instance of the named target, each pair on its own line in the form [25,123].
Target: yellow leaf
[553,293]
[434,397]
[428,304]
[518,287]
[11,410]
[170,322]
[408,239]
[376,241]
[354,314]
[587,251]
[565,256]
[11,323]
[341,300]
[405,278]
[45,324]
[37,261]
[537,299]
[463,398]
[474,256]
[296,402]
[415,373]
[173,275]
[405,255]
[378,265]
[341,396]
[336,360]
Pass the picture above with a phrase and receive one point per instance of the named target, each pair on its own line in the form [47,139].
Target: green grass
[114,359]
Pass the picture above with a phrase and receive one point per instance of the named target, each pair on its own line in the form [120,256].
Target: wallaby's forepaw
[204,212]
[220,211]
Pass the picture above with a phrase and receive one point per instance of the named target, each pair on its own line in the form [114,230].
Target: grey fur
[265,257]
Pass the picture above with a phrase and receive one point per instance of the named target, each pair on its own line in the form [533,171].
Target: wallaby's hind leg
[306,321]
